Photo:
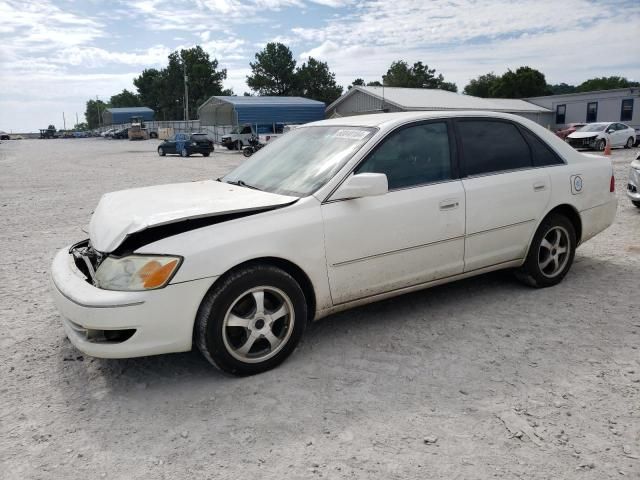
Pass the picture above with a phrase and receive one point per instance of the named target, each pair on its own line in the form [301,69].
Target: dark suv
[185,145]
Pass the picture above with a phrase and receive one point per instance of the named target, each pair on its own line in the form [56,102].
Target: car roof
[390,120]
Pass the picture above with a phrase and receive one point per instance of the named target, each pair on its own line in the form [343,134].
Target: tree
[150,86]
[125,99]
[81,127]
[358,82]
[273,72]
[562,88]
[314,80]
[400,74]
[605,83]
[375,83]
[95,108]
[524,82]
[481,86]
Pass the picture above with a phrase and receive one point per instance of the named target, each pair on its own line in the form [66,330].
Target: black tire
[230,147]
[184,152]
[636,203]
[600,145]
[209,330]
[629,143]
[238,145]
[531,272]
[247,151]
[205,154]
[161,152]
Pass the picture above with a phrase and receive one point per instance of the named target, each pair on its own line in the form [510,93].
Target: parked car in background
[4,136]
[120,134]
[185,144]
[334,214]
[596,135]
[633,185]
[637,137]
[569,129]
[108,133]
[240,136]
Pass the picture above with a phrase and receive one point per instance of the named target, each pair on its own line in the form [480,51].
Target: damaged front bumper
[117,324]
[633,185]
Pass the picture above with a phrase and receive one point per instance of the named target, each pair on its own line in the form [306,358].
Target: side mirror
[362,185]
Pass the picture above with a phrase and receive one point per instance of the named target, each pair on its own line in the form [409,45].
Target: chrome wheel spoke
[258,297]
[546,263]
[246,346]
[271,338]
[545,244]
[236,321]
[281,312]
[561,250]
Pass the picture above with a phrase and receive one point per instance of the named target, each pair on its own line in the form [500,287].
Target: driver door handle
[449,204]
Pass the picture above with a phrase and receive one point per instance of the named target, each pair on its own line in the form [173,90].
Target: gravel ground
[481,378]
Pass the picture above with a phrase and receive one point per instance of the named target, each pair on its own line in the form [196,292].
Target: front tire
[600,145]
[629,143]
[251,321]
[161,151]
[551,253]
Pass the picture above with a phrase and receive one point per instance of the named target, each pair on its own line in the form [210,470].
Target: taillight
[612,184]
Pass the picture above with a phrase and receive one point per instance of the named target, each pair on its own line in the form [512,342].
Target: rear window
[492,146]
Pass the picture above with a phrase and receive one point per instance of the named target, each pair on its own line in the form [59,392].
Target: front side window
[592,111]
[627,110]
[490,146]
[412,156]
[561,111]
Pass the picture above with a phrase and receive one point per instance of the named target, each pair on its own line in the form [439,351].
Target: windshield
[302,160]
[593,127]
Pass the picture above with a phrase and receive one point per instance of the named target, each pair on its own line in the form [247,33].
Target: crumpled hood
[584,134]
[122,213]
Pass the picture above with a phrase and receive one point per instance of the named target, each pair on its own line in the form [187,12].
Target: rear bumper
[162,320]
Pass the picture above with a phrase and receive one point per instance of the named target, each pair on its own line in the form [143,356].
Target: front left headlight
[136,272]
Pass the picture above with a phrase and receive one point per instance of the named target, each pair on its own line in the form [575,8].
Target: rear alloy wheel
[629,143]
[161,151]
[184,152]
[600,145]
[252,320]
[550,254]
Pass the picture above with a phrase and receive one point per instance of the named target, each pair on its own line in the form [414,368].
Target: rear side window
[542,154]
[412,156]
[489,146]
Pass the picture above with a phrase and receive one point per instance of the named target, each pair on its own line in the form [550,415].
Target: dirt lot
[482,378]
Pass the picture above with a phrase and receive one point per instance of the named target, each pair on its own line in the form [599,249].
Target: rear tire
[629,143]
[205,154]
[636,203]
[550,254]
[251,321]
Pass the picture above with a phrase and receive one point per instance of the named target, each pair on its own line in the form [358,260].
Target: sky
[56,54]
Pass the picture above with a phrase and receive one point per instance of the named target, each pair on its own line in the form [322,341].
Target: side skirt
[422,286]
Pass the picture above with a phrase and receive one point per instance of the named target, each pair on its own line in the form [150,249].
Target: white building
[619,105]
[363,100]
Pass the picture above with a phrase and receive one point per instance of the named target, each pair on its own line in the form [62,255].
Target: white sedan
[334,214]
[596,136]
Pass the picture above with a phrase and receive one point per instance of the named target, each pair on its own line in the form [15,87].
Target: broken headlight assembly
[136,272]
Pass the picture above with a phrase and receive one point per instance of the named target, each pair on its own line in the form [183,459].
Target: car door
[505,194]
[412,234]
[170,145]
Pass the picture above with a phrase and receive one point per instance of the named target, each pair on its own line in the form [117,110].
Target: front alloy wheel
[251,320]
[600,145]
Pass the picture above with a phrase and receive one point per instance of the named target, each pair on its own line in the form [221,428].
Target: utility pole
[98,107]
[64,121]
[186,91]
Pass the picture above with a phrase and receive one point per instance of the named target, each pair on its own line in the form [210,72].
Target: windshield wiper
[240,183]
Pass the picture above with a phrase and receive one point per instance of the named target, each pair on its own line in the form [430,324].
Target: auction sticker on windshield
[351,134]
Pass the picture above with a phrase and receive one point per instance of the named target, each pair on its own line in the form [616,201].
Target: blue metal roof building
[232,110]
[113,116]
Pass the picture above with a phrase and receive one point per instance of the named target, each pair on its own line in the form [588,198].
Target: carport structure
[233,111]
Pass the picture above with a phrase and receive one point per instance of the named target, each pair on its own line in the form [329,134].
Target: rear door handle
[539,187]
[449,204]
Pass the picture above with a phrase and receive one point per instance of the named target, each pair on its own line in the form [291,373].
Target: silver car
[633,186]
